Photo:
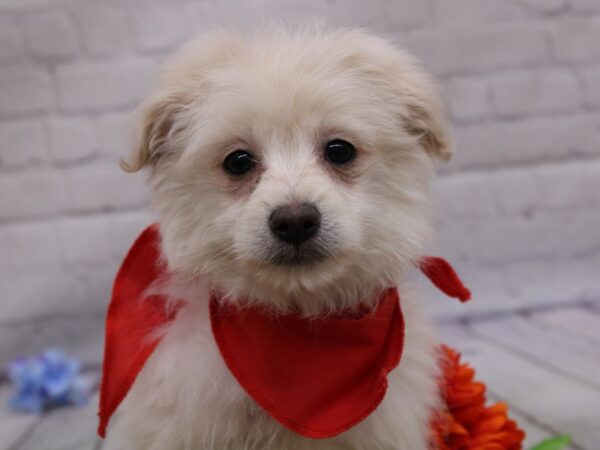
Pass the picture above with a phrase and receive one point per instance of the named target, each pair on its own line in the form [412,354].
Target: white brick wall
[25,89]
[22,143]
[518,209]
[104,30]
[71,138]
[101,86]
[525,93]
[50,35]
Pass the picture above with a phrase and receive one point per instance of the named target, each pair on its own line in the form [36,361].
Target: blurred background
[517,210]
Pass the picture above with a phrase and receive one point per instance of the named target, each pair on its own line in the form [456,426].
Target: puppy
[290,169]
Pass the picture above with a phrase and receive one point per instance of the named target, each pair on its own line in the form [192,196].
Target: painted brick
[522,191]
[514,192]
[200,16]
[72,138]
[585,5]
[18,6]
[22,143]
[353,13]
[81,338]
[103,188]
[539,236]
[399,15]
[84,241]
[25,89]
[569,186]
[526,241]
[505,143]
[115,132]
[30,195]
[486,195]
[578,135]
[32,246]
[101,86]
[11,41]
[525,93]
[546,6]
[236,13]
[577,279]
[5,263]
[468,98]
[534,281]
[46,294]
[51,35]
[590,77]
[526,141]
[158,27]
[581,230]
[99,285]
[105,30]
[468,12]
[124,228]
[573,40]
[447,234]
[458,50]
[465,197]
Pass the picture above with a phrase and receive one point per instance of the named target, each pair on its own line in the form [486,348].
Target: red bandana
[317,377]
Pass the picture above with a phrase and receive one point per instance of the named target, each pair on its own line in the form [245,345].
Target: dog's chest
[186,394]
[185,389]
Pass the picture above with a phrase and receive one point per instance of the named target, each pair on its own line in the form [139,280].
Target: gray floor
[544,363]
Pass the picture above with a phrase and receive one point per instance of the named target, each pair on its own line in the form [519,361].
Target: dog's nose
[295,223]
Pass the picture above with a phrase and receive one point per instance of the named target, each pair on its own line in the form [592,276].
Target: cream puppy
[292,169]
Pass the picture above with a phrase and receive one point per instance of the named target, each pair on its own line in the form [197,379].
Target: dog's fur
[283,95]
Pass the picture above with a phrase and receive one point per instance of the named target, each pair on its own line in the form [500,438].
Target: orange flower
[465,423]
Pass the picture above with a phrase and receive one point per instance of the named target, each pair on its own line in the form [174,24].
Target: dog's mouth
[307,254]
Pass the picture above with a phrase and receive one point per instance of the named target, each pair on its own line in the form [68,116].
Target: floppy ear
[426,117]
[427,121]
[155,132]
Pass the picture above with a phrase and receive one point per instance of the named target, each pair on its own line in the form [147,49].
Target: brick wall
[518,209]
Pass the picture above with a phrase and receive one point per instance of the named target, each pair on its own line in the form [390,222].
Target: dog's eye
[238,162]
[339,151]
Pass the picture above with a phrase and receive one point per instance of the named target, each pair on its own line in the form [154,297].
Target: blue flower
[47,380]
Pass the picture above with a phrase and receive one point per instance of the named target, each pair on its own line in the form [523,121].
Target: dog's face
[292,169]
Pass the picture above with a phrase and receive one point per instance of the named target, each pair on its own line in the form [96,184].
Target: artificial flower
[466,423]
[47,380]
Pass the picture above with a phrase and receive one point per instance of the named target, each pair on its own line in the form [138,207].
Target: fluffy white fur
[282,95]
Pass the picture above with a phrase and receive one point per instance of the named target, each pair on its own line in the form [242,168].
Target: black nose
[295,223]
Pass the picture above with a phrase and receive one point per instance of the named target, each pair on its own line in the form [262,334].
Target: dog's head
[292,168]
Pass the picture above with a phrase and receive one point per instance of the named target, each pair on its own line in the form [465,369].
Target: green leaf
[557,443]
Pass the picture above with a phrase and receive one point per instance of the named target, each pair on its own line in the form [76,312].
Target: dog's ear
[155,131]
[427,121]
[425,116]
